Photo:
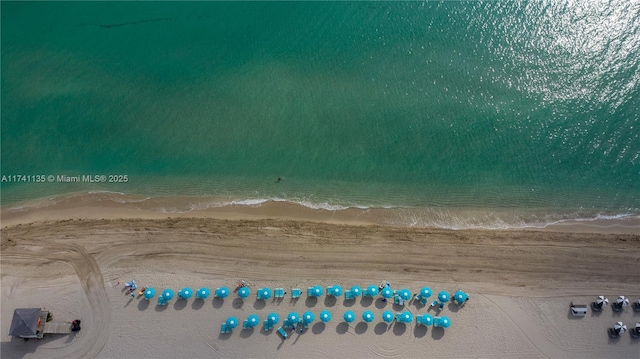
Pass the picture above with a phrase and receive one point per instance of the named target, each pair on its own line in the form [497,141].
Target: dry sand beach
[520,284]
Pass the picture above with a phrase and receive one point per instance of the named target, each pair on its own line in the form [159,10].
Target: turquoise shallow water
[495,105]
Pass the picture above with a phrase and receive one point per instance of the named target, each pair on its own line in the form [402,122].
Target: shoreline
[111,205]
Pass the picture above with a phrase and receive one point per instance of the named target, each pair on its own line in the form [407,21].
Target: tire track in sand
[96,316]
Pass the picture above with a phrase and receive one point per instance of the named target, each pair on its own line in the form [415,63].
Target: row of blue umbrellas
[349,316]
[336,290]
[184,293]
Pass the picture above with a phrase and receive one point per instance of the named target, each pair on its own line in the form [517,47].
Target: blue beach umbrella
[273,318]
[264,293]
[387,316]
[372,290]
[425,292]
[185,293]
[325,316]
[232,322]
[443,296]
[222,292]
[349,316]
[149,293]
[356,290]
[336,291]
[445,322]
[386,293]
[317,290]
[405,294]
[243,292]
[367,316]
[293,318]
[460,296]
[405,317]
[308,317]
[426,319]
[203,293]
[167,294]
[253,320]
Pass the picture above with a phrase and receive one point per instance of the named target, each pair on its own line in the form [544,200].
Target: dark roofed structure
[26,323]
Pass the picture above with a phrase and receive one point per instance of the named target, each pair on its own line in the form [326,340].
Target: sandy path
[519,280]
[96,315]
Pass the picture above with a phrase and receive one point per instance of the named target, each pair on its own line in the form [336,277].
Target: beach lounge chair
[596,307]
[578,310]
[278,293]
[266,325]
[348,295]
[398,300]
[224,329]
[295,293]
[282,332]
[613,333]
[289,324]
[636,306]
[251,322]
[422,300]
[635,332]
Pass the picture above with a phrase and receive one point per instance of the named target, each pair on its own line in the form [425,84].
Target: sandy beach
[520,284]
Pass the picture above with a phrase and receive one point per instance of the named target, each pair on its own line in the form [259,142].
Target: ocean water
[455,114]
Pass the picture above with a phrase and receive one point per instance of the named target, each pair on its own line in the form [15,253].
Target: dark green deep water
[442,105]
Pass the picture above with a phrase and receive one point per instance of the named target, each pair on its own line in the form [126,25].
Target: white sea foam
[446,218]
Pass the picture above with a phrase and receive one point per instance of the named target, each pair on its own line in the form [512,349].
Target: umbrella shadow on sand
[238,303]
[418,304]
[399,328]
[246,333]
[437,333]
[311,302]
[318,328]
[366,301]
[259,304]
[143,304]
[613,340]
[218,302]
[348,303]
[180,304]
[342,328]
[453,307]
[197,304]
[330,301]
[361,328]
[381,303]
[419,331]
[381,328]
